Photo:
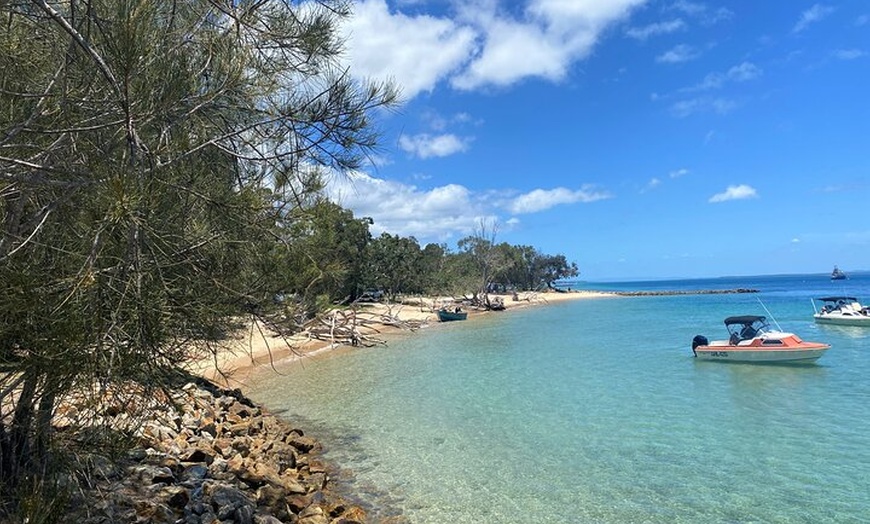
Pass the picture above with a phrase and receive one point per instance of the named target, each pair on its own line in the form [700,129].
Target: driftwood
[356,326]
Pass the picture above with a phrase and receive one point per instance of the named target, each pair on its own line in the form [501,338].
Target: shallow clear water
[596,411]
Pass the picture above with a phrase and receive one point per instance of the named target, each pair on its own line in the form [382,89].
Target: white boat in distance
[752,340]
[843,311]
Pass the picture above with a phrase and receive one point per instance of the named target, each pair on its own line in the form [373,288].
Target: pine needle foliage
[151,154]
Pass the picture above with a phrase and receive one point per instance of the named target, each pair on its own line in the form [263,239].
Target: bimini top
[837,299]
[744,320]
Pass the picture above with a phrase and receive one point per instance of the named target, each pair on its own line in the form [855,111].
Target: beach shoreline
[258,349]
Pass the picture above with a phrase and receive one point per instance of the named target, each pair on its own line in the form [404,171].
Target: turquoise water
[595,411]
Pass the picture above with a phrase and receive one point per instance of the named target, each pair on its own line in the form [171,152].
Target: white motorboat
[752,340]
[843,311]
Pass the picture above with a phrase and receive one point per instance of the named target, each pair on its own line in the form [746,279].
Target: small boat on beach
[838,274]
[843,311]
[752,340]
[447,315]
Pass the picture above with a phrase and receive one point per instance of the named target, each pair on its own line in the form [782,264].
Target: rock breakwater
[685,292]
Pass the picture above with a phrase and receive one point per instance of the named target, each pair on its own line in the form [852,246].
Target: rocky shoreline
[215,458]
[209,455]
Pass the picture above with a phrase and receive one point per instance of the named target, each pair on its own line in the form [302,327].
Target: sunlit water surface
[596,411]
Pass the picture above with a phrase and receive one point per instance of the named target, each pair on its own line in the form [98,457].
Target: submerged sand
[258,348]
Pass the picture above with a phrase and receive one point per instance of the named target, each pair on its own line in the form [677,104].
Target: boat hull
[743,354]
[843,321]
[448,316]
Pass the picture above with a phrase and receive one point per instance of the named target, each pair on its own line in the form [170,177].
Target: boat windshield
[746,327]
[839,303]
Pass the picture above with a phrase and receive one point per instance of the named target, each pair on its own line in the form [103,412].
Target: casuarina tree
[150,154]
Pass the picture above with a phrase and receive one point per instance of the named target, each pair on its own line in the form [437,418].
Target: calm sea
[595,411]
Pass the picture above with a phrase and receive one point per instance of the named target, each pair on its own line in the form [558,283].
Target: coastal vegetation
[162,167]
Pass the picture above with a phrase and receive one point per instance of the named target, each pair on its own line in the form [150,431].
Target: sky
[642,139]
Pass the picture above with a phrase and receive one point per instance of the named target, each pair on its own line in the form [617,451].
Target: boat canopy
[744,320]
[838,299]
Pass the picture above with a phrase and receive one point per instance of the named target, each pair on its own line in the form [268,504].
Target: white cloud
[542,199]
[678,173]
[436,214]
[415,51]
[740,73]
[652,184]
[479,45]
[685,108]
[426,146]
[812,15]
[659,28]
[740,192]
[702,12]
[849,54]
[678,54]
[499,65]
[689,8]
[440,213]
[743,72]
[543,43]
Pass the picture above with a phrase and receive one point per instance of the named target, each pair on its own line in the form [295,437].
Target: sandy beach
[259,349]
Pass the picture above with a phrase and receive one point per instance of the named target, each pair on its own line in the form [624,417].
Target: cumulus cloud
[427,146]
[440,213]
[435,214]
[542,199]
[740,192]
[414,51]
[498,63]
[678,173]
[812,15]
[543,43]
[479,45]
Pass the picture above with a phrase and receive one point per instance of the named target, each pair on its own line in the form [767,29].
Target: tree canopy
[152,154]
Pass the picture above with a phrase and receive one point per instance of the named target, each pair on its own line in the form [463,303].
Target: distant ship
[837,274]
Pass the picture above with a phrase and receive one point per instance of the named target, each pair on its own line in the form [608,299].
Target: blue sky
[639,138]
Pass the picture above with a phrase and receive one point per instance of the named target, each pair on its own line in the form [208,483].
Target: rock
[197,467]
[313,515]
[303,444]
[177,497]
[266,519]
[147,474]
[197,455]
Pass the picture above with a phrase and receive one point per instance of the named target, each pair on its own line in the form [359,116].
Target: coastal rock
[684,292]
[217,459]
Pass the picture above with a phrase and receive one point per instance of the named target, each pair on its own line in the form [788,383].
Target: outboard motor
[699,340]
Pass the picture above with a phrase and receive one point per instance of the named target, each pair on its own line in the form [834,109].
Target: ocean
[595,411]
